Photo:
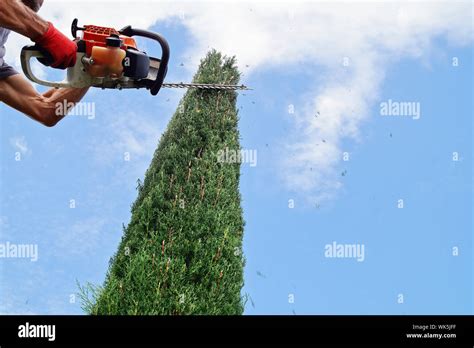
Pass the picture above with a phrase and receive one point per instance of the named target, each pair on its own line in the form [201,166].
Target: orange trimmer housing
[106,58]
[139,69]
[96,36]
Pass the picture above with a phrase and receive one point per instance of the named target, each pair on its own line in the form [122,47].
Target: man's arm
[14,15]
[19,94]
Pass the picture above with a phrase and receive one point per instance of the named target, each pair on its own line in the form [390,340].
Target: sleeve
[7,71]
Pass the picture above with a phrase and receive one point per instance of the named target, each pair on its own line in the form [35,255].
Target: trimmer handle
[29,52]
[155,85]
[75,77]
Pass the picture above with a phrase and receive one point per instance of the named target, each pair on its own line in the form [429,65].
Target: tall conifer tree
[182,250]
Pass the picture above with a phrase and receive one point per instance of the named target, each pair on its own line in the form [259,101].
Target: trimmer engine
[107,58]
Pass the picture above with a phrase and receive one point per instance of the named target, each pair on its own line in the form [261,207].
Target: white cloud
[3,222]
[135,132]
[4,227]
[20,144]
[12,307]
[275,35]
[80,238]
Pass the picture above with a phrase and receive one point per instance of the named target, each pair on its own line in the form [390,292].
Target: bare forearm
[71,95]
[14,15]
[47,108]
[57,98]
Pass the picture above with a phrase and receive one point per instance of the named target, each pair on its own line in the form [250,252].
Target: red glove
[62,50]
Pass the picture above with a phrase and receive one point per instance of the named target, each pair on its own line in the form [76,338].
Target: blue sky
[408,251]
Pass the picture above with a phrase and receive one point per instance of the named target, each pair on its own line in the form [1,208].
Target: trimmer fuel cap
[113,41]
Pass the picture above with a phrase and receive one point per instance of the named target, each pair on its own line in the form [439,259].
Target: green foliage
[182,250]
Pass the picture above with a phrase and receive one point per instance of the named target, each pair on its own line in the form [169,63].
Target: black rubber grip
[155,85]
[47,59]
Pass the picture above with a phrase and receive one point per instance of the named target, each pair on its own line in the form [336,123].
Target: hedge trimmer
[110,59]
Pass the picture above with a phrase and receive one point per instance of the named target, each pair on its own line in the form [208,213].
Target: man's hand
[62,50]
[19,94]
[14,15]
